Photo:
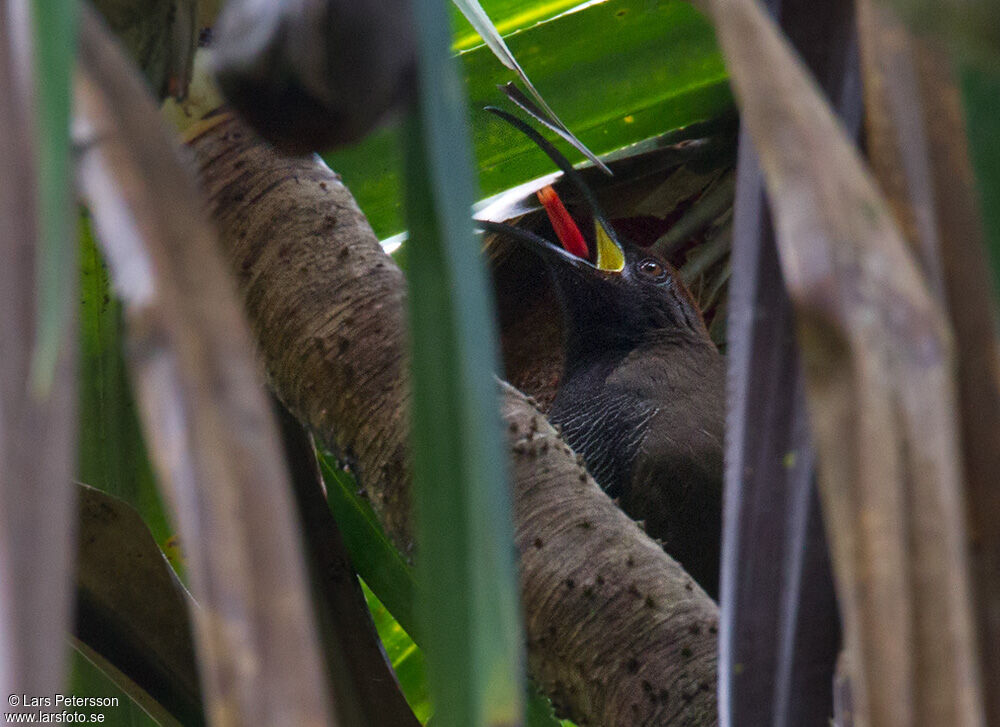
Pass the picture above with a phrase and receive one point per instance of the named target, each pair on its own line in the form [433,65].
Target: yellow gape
[609,256]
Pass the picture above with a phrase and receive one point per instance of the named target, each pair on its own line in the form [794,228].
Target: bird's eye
[651,269]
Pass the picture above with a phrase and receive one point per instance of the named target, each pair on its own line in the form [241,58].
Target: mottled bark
[618,634]
[327,305]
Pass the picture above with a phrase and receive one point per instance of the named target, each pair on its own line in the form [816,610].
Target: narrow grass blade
[467,597]
[54,44]
[467,584]
[517,96]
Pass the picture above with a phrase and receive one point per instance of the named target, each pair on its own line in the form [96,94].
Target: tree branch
[617,633]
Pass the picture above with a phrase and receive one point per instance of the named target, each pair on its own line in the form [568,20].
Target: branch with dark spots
[618,633]
[308,299]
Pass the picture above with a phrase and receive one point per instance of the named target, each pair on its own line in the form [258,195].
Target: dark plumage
[642,395]
[642,398]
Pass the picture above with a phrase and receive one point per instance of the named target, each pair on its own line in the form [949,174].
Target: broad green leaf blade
[508,16]
[475,14]
[619,72]
[54,45]
[466,578]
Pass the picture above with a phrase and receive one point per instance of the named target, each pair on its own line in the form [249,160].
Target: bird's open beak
[609,255]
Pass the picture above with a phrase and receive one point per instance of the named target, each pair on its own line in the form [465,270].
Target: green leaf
[539,712]
[384,572]
[474,13]
[618,72]
[87,680]
[404,655]
[467,586]
[507,16]
[111,452]
[54,44]
[375,559]
[982,104]
[132,618]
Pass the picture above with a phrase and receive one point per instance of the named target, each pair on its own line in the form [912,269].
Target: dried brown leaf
[212,438]
[37,430]
[879,379]
[918,147]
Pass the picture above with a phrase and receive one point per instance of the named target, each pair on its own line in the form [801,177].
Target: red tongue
[566,230]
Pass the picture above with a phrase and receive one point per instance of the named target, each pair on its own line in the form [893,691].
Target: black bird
[642,394]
